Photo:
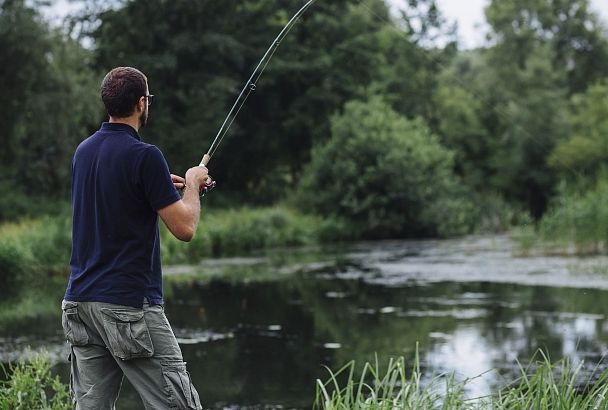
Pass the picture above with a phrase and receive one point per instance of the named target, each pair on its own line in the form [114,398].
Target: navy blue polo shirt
[118,185]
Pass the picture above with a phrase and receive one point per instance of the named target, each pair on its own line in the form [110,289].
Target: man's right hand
[196,176]
[182,217]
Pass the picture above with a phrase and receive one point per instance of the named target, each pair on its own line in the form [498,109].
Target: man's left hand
[178,182]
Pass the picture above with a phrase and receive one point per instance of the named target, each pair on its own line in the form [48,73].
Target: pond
[469,306]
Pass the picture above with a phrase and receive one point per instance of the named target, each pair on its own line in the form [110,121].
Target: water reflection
[469,305]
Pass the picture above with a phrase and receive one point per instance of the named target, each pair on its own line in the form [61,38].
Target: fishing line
[251,84]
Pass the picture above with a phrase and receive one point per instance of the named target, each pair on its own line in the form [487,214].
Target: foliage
[238,231]
[48,105]
[16,266]
[31,386]
[32,252]
[505,111]
[578,222]
[196,56]
[586,150]
[543,385]
[379,389]
[387,175]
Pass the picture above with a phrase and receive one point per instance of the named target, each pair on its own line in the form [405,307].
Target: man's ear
[141,104]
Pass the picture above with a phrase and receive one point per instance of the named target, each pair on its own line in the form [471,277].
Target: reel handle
[207,186]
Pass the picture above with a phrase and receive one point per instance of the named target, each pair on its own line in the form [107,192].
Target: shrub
[578,222]
[29,385]
[234,231]
[386,175]
[16,266]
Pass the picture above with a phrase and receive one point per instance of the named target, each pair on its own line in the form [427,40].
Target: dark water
[469,305]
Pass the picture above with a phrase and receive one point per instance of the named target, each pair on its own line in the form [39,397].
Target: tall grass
[238,231]
[31,386]
[542,385]
[32,252]
[576,224]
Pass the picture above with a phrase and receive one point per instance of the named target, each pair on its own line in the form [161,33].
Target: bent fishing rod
[249,87]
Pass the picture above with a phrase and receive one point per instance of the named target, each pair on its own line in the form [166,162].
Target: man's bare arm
[182,217]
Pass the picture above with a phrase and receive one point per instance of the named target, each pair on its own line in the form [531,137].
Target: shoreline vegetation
[542,384]
[34,253]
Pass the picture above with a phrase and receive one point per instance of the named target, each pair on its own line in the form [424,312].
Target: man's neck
[133,121]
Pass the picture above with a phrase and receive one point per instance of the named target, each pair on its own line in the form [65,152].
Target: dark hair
[121,88]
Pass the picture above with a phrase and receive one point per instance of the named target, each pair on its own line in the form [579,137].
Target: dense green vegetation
[372,124]
[34,254]
[502,120]
[30,385]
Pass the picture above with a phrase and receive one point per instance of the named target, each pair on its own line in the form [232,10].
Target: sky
[471,20]
[467,13]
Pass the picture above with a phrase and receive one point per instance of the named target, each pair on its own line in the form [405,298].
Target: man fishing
[113,314]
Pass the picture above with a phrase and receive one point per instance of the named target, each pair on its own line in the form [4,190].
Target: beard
[143,118]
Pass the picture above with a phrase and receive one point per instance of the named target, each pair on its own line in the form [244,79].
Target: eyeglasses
[149,98]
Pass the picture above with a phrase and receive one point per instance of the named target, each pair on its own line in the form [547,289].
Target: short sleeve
[156,179]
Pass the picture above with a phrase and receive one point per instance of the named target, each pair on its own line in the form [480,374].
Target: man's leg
[95,378]
[161,379]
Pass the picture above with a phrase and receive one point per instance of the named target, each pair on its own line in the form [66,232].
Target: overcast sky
[468,14]
[471,20]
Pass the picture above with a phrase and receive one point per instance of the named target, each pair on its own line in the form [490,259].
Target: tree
[586,150]
[387,175]
[577,39]
[198,58]
[49,104]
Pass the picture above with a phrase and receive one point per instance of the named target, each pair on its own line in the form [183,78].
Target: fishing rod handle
[205,160]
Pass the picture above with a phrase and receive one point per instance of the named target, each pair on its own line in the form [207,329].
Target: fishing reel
[207,186]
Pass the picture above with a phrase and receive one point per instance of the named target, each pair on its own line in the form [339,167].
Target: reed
[541,385]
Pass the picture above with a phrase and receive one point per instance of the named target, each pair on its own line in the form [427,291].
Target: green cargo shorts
[111,341]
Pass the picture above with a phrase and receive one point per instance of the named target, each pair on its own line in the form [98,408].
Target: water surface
[470,305]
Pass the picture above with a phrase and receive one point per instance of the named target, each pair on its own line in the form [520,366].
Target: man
[113,315]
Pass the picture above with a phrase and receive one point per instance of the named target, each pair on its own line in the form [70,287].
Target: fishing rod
[248,88]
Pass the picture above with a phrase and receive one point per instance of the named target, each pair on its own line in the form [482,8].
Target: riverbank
[541,384]
[35,253]
[575,225]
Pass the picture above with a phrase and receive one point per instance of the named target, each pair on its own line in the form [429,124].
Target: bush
[578,221]
[33,250]
[16,267]
[28,387]
[234,231]
[386,175]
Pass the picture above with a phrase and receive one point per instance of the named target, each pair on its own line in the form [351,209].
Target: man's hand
[178,182]
[182,217]
[196,176]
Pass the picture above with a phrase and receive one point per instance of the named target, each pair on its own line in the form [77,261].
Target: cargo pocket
[73,328]
[127,332]
[182,394]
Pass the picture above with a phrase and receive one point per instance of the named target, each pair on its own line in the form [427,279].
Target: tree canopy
[510,119]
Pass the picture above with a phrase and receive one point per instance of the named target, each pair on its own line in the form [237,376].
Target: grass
[35,253]
[542,385]
[577,224]
[240,231]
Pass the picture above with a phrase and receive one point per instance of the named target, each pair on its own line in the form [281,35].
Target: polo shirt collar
[120,127]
